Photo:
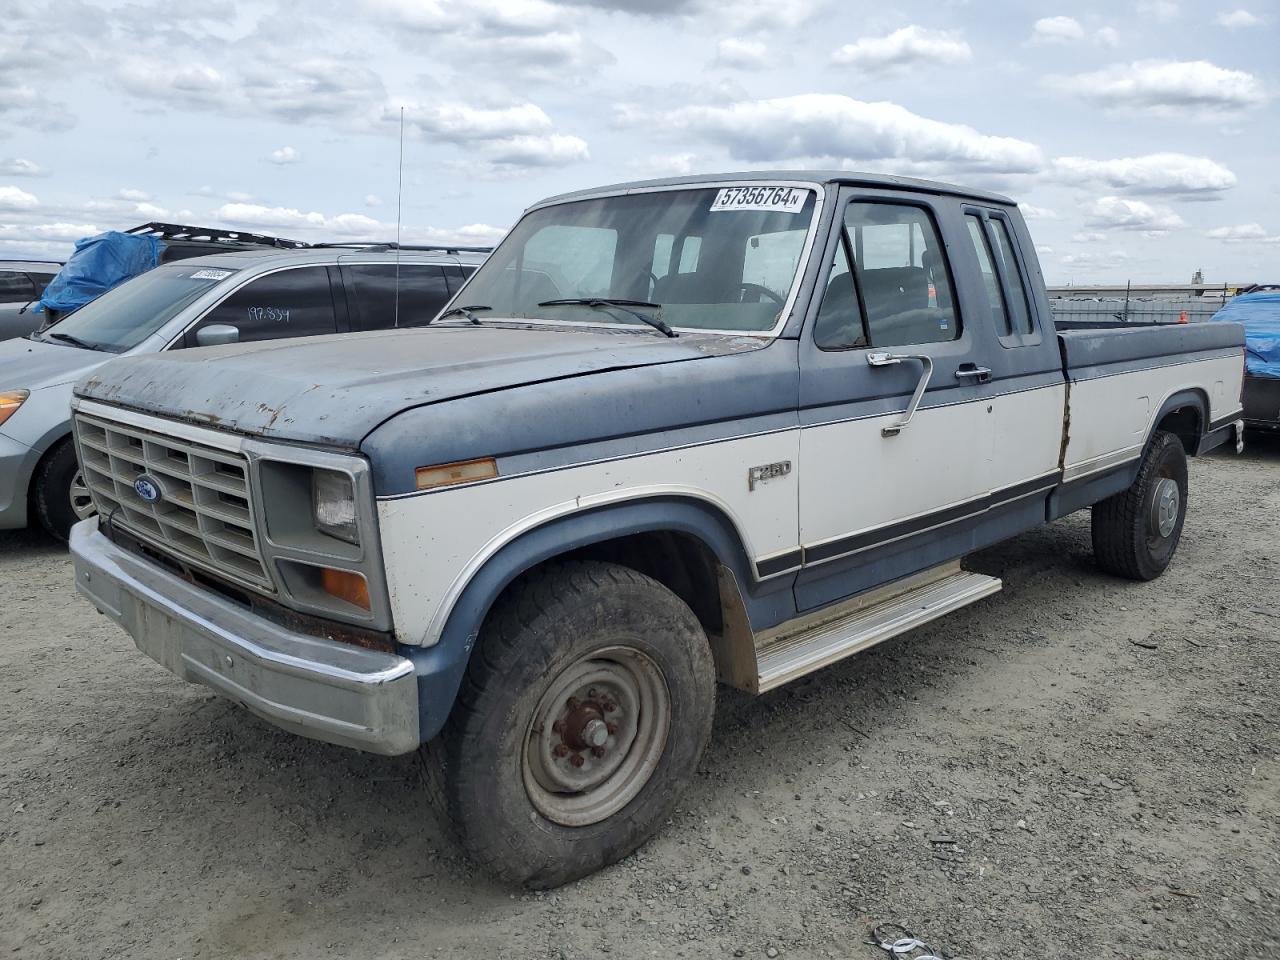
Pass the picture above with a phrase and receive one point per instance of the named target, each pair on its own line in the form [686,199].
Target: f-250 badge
[768,471]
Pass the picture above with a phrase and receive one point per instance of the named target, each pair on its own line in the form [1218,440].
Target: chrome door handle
[883,359]
[980,374]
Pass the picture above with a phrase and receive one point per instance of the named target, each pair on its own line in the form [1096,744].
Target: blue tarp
[1260,314]
[98,264]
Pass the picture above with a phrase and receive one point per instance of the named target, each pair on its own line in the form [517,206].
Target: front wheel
[1136,531]
[585,709]
[61,497]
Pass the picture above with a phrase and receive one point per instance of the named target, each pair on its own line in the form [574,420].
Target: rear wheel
[61,497]
[586,706]
[1136,531]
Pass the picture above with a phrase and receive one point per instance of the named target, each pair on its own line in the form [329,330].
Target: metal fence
[1135,309]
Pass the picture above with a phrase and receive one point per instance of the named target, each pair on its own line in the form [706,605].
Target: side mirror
[216,334]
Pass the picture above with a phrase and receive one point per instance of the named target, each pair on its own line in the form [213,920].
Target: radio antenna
[399,198]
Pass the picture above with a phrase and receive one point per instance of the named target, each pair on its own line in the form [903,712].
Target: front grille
[205,512]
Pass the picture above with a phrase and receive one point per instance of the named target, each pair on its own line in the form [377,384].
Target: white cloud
[1032,212]
[18,167]
[67,232]
[518,136]
[15,198]
[1238,19]
[285,155]
[372,200]
[1107,37]
[1057,30]
[666,165]
[1088,236]
[1243,233]
[741,54]
[832,128]
[1173,173]
[1118,213]
[347,226]
[1161,10]
[902,48]
[136,196]
[1168,86]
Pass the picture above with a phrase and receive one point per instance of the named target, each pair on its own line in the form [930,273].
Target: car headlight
[10,402]
[333,502]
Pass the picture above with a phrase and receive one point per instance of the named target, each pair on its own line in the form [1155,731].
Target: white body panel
[433,543]
[1028,434]
[853,478]
[1111,417]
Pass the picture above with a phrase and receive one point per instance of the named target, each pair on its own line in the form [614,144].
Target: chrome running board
[883,613]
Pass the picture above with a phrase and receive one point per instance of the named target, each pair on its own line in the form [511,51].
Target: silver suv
[250,295]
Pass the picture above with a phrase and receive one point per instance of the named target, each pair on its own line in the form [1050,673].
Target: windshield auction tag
[211,274]
[771,199]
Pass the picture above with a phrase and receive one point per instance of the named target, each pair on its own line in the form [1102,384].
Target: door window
[839,324]
[901,270]
[371,294]
[15,287]
[285,304]
[990,280]
[1021,306]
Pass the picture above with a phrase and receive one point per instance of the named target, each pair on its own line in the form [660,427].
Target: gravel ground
[1076,767]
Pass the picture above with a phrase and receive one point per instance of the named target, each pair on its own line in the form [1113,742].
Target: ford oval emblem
[147,489]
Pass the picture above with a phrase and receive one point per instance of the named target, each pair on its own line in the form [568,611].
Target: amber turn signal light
[10,402]
[345,585]
[464,471]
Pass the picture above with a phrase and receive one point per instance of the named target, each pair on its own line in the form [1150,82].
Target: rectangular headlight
[333,501]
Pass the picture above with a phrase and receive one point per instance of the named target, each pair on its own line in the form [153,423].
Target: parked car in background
[21,284]
[1258,308]
[259,293]
[106,260]
[730,427]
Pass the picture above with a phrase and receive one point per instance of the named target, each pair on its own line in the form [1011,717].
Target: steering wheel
[760,291]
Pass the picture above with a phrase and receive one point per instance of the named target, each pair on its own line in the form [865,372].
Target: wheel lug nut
[573,703]
[612,728]
[561,750]
[557,727]
[577,760]
[610,707]
[597,751]
[592,693]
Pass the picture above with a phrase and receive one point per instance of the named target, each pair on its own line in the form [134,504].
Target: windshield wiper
[466,311]
[68,338]
[605,303]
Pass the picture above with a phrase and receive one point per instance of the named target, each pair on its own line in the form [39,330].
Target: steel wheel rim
[587,756]
[1166,501]
[81,499]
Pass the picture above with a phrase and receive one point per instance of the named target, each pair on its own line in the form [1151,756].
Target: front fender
[440,667]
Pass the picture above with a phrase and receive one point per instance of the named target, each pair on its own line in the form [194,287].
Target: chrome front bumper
[308,685]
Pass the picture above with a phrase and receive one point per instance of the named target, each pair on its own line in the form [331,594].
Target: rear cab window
[1004,281]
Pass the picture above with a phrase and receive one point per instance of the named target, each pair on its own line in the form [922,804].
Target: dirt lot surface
[1078,767]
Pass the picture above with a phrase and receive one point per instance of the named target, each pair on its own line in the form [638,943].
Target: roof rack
[178,231]
[376,246]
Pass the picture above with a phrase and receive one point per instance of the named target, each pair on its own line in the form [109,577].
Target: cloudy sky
[1140,136]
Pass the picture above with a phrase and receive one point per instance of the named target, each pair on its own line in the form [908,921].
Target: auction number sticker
[211,274]
[771,199]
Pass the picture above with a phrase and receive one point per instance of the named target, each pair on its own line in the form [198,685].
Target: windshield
[719,258]
[126,315]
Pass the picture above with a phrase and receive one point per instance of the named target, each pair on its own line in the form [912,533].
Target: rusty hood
[334,390]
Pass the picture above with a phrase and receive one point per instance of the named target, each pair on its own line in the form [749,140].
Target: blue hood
[334,390]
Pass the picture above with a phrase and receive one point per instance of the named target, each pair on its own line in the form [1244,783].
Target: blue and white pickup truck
[722,428]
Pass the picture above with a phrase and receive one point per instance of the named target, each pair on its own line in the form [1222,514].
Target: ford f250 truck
[720,428]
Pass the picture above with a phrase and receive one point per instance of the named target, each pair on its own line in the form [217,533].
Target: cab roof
[839,177]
